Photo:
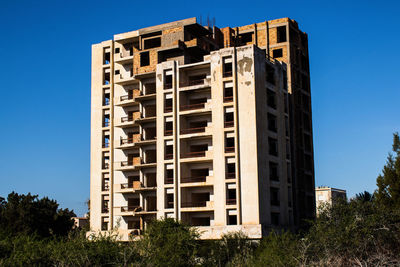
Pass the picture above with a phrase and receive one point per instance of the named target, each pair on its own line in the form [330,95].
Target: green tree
[27,214]
[168,242]
[388,192]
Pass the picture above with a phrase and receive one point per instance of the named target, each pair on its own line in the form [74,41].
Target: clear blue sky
[45,83]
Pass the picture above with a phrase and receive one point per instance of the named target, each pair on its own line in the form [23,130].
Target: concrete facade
[324,194]
[206,125]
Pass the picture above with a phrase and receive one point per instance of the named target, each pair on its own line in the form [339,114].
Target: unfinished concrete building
[209,126]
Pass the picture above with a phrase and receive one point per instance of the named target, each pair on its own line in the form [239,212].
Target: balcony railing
[228,99]
[106,166]
[231,175]
[106,123]
[196,179]
[168,109]
[168,132]
[192,106]
[230,149]
[131,208]
[169,156]
[196,154]
[131,117]
[192,83]
[193,130]
[167,85]
[229,124]
[130,140]
[106,145]
[231,201]
[194,204]
[135,185]
[135,161]
[169,180]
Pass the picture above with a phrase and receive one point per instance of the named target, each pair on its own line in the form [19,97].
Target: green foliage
[28,214]
[388,192]
[354,231]
[278,249]
[168,242]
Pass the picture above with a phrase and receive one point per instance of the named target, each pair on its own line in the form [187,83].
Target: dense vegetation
[364,231]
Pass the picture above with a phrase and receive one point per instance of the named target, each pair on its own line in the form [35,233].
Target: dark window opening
[273,146]
[274,218]
[106,120]
[169,176]
[271,99]
[307,142]
[227,69]
[168,82]
[275,200]
[169,201]
[152,43]
[308,162]
[272,123]
[245,38]
[106,100]
[107,57]
[168,128]
[168,105]
[270,72]
[277,53]
[169,152]
[200,221]
[281,34]
[231,196]
[104,226]
[229,122]
[306,122]
[229,144]
[228,94]
[273,171]
[230,171]
[144,59]
[133,225]
[117,50]
[232,220]
[117,72]
[106,79]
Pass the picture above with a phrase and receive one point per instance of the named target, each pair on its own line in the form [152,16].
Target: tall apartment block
[210,126]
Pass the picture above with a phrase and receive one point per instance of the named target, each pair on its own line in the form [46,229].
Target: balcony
[196,106]
[193,206]
[193,130]
[230,149]
[195,179]
[125,78]
[196,154]
[129,99]
[192,82]
[131,209]
[129,120]
[134,186]
[135,138]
